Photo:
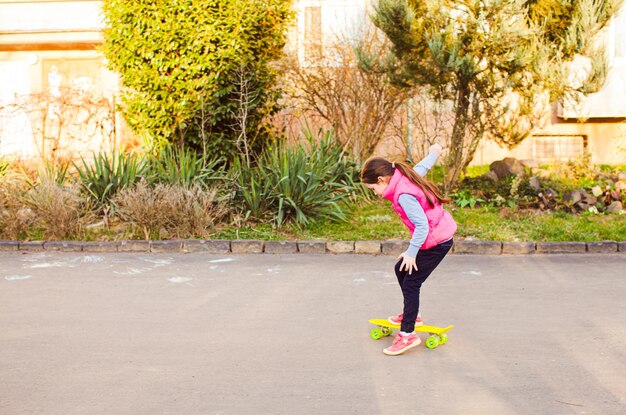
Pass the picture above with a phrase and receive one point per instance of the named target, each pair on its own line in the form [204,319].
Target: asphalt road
[271,334]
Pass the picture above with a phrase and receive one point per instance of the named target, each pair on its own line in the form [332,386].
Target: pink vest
[441,225]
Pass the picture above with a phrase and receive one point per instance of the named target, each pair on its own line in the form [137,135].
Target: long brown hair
[379,167]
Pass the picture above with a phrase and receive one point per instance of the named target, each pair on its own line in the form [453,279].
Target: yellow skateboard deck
[438,335]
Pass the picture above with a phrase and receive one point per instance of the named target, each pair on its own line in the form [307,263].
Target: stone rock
[620,185]
[534,183]
[589,199]
[507,167]
[601,177]
[530,163]
[491,175]
[572,197]
[597,191]
[615,207]
[621,175]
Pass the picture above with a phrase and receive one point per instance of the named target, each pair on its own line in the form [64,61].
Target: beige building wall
[49,65]
[47,43]
[563,137]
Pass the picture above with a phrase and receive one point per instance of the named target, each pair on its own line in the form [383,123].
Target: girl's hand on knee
[408,263]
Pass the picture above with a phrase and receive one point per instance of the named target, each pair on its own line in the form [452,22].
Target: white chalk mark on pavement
[214,261]
[159,262]
[132,271]
[47,265]
[17,277]
[179,280]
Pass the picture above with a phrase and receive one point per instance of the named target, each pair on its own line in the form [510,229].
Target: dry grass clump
[15,218]
[60,211]
[171,211]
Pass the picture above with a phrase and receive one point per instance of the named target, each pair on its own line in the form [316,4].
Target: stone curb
[244,246]
[9,246]
[561,247]
[518,248]
[100,246]
[602,247]
[281,247]
[477,247]
[368,247]
[340,247]
[311,247]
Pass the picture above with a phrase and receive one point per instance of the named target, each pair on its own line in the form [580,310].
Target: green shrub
[192,68]
[55,171]
[297,184]
[108,174]
[185,168]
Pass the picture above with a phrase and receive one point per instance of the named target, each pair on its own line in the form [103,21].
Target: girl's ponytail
[429,188]
[379,167]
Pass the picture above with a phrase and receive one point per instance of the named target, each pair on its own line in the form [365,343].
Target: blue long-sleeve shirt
[414,210]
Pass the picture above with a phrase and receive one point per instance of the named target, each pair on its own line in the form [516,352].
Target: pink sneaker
[402,343]
[398,320]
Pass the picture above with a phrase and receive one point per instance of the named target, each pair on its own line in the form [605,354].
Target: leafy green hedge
[186,64]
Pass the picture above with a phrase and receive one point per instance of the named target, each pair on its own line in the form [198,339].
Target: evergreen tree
[498,63]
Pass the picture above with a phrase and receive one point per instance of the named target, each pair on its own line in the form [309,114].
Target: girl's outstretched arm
[429,161]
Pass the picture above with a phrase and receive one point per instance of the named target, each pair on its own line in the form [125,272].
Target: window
[548,148]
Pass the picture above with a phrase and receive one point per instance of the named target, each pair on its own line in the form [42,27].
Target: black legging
[411,284]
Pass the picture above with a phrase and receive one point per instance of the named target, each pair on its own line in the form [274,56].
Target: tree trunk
[456,162]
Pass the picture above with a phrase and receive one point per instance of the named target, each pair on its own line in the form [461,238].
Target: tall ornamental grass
[108,174]
[184,167]
[297,184]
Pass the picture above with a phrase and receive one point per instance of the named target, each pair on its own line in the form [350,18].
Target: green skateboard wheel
[443,338]
[376,334]
[432,342]
[386,331]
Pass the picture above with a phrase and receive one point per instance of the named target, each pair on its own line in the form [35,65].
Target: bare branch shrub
[246,100]
[426,122]
[15,217]
[177,211]
[352,95]
[60,211]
